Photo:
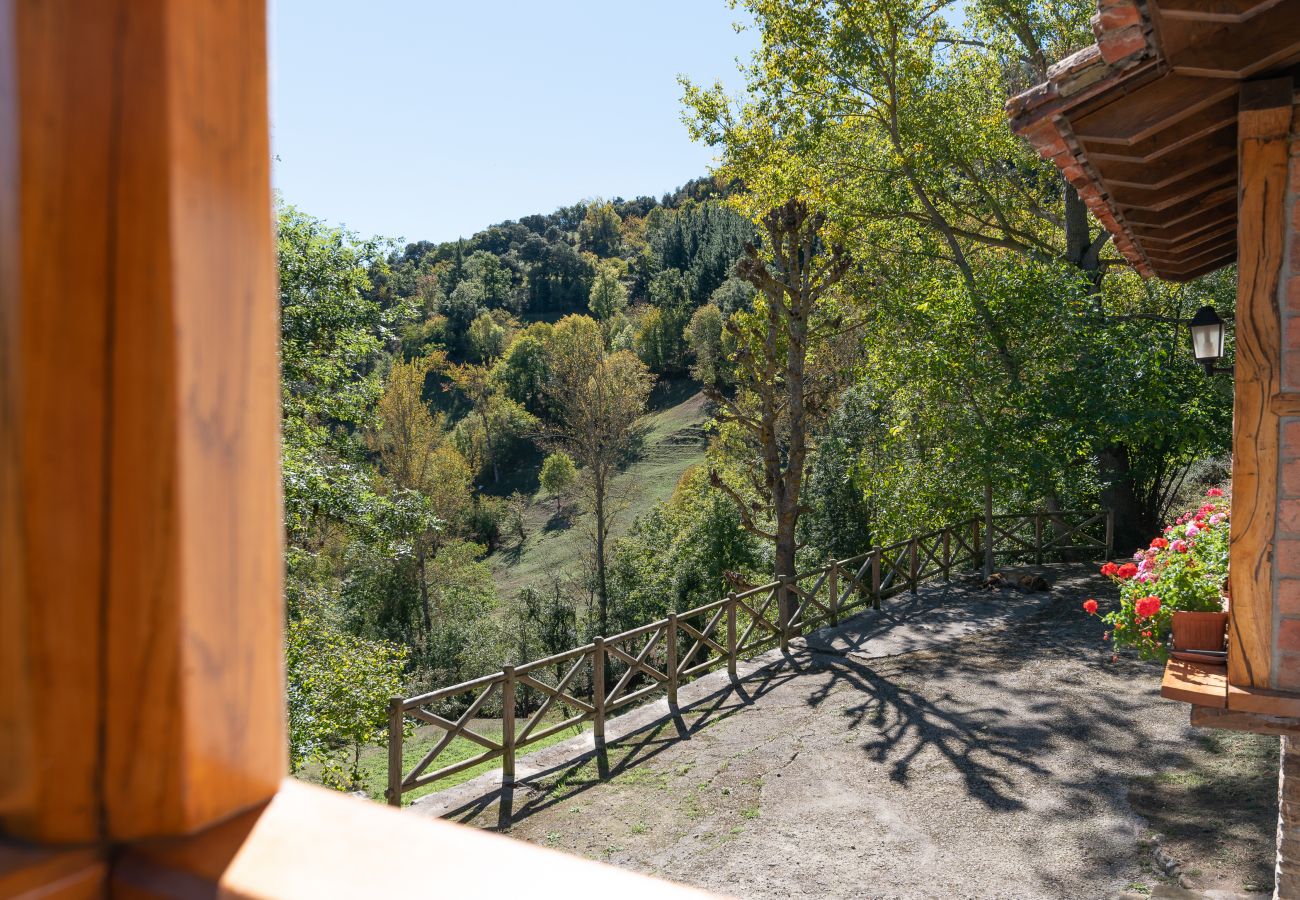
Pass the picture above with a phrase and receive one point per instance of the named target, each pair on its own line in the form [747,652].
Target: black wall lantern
[1207,338]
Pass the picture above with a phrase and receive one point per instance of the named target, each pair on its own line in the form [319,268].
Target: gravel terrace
[963,743]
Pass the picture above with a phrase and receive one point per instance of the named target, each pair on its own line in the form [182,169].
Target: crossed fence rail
[592,682]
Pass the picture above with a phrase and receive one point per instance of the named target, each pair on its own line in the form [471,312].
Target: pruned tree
[777,403]
[598,398]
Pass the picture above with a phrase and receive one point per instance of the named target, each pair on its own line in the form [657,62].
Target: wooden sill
[1199,684]
[1206,686]
[310,842]
[40,872]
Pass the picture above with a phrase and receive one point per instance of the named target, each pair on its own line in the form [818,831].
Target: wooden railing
[595,681]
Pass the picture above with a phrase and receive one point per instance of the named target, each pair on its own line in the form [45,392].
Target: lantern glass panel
[1207,341]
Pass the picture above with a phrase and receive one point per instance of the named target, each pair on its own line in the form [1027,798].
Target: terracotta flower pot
[1199,630]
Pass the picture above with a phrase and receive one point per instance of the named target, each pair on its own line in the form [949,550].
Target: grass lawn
[374,759]
[1215,809]
[673,440]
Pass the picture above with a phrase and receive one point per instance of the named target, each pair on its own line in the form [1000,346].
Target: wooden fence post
[394,792]
[833,591]
[989,546]
[1110,533]
[977,547]
[1038,539]
[783,611]
[947,555]
[912,568]
[508,725]
[671,658]
[598,690]
[731,633]
[875,578]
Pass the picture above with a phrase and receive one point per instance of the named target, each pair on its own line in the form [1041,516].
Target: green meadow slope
[672,440]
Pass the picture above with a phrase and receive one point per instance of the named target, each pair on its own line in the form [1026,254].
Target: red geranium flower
[1214,492]
[1090,606]
[1180,546]
[1146,607]
[1109,569]
[1146,634]
[1126,571]
[1159,544]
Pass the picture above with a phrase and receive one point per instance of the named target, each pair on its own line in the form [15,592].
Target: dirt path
[917,755]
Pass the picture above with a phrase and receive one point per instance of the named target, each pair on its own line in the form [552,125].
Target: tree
[704,336]
[894,121]
[661,339]
[601,229]
[523,371]
[339,686]
[413,455]
[608,295]
[778,405]
[476,383]
[558,476]
[487,338]
[598,398]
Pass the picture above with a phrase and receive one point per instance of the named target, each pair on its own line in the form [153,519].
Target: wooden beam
[1151,109]
[140,418]
[1212,10]
[1189,190]
[1214,223]
[1187,211]
[1234,51]
[1187,271]
[1215,148]
[1235,720]
[1263,128]
[1220,116]
[1193,274]
[1264,702]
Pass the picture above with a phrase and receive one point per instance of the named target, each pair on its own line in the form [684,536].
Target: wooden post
[1263,129]
[731,633]
[671,658]
[508,725]
[1110,533]
[598,690]
[875,578]
[912,568]
[975,548]
[833,590]
[1038,539]
[783,611]
[141,535]
[395,764]
[947,555]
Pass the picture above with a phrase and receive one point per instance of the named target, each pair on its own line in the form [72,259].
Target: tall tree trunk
[602,587]
[421,562]
[1133,522]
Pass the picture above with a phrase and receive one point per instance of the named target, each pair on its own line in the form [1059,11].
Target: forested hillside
[479,436]
[896,313]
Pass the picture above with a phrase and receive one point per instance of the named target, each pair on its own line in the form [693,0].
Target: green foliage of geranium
[1185,569]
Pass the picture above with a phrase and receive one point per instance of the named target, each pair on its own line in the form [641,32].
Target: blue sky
[431,120]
